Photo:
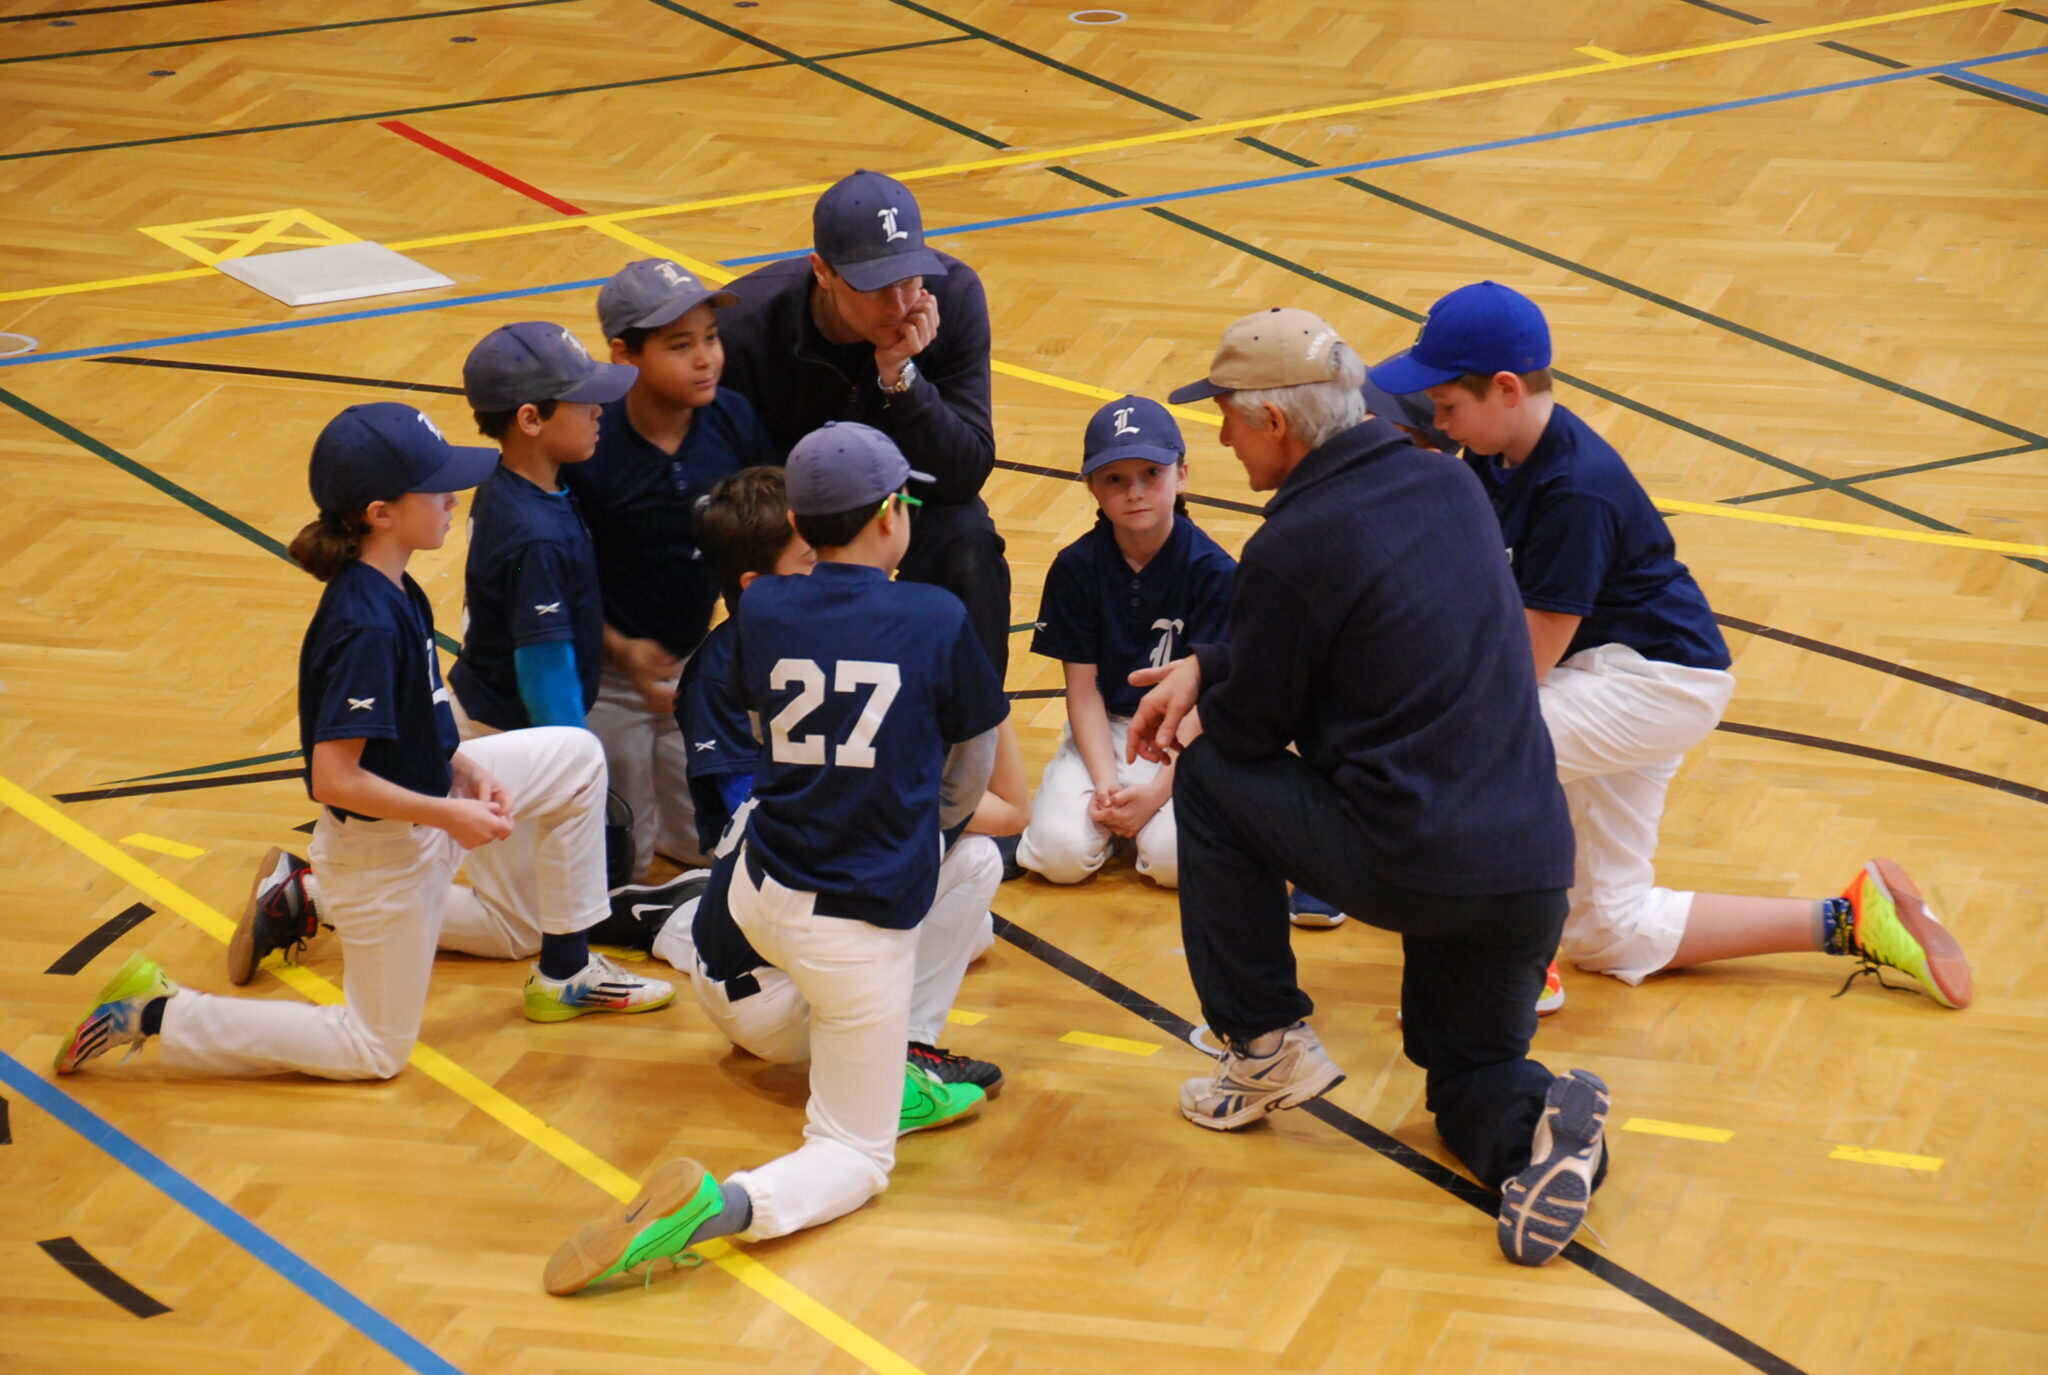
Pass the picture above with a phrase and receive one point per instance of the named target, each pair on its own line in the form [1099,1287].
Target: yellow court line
[1684,1131]
[1024,157]
[1700,508]
[484,1096]
[176,849]
[1863,1155]
[959,1018]
[1117,1043]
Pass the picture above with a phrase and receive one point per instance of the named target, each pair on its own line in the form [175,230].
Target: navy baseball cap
[1132,427]
[1484,328]
[537,361]
[870,231]
[651,293]
[384,449]
[843,466]
[1413,409]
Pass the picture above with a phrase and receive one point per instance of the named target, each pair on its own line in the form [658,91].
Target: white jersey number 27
[857,751]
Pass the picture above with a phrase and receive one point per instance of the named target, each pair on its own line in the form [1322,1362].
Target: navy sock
[1832,919]
[563,957]
[153,1016]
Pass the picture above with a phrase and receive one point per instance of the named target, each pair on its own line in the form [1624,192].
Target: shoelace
[1875,970]
[684,1259]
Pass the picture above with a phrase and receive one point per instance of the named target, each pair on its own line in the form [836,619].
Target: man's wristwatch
[903,382]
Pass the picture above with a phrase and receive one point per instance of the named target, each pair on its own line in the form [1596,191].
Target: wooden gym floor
[1792,251]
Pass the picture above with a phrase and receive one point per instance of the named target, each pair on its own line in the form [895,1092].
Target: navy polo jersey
[1584,540]
[861,685]
[1097,610]
[639,502]
[367,671]
[531,579]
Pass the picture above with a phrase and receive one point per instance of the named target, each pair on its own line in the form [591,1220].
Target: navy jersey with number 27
[861,684]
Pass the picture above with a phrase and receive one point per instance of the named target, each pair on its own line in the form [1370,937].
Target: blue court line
[1105,207]
[223,1219]
[1492,146]
[2024,93]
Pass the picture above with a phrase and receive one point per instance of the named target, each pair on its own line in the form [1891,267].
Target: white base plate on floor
[332,272]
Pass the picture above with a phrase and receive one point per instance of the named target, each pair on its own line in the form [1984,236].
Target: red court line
[434,145]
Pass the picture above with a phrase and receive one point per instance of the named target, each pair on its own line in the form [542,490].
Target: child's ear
[528,419]
[620,353]
[378,515]
[1512,392]
[747,579]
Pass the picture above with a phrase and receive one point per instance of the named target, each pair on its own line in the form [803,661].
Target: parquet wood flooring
[1779,296]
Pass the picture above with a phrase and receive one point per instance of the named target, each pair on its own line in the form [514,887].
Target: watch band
[908,376]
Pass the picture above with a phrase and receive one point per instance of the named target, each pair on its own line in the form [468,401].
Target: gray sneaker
[1246,1087]
[1541,1208]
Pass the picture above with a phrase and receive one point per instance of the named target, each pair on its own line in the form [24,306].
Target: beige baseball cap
[1271,348]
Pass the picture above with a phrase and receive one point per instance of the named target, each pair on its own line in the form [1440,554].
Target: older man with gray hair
[1376,631]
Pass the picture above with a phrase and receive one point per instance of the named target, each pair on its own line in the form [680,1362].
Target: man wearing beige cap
[1373,630]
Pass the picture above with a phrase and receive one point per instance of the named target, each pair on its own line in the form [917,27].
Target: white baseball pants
[1061,843]
[648,759]
[857,980]
[385,886]
[1621,725]
[774,1023]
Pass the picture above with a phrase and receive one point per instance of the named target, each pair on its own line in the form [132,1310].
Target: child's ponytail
[328,545]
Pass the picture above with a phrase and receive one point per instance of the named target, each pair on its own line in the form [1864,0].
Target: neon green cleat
[116,1017]
[931,1102]
[601,986]
[1893,928]
[660,1222]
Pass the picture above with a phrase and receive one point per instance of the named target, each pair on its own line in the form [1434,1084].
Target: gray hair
[1317,412]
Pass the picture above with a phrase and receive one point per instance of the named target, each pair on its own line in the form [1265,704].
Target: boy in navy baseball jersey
[1143,584]
[879,714]
[659,450]
[402,800]
[1632,667]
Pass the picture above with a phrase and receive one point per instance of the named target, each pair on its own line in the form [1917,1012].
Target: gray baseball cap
[843,466]
[1413,409]
[537,361]
[651,293]
[868,227]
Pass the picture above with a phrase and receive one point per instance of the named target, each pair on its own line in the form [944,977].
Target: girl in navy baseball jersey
[1134,592]
[1631,665]
[660,449]
[879,712]
[401,801]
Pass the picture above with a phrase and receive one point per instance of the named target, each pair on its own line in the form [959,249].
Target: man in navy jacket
[1375,629]
[875,327]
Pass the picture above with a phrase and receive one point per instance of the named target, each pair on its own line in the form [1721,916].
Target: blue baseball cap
[651,293]
[1484,328]
[843,466]
[384,449]
[868,229]
[537,361]
[1132,427]
[1413,409]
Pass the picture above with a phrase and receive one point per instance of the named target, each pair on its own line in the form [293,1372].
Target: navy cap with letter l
[843,466]
[1411,408]
[536,361]
[868,228]
[1132,427]
[381,450]
[651,293]
[1483,328]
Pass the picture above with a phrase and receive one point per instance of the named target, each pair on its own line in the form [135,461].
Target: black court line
[1405,1156]
[102,9]
[1036,694]
[99,938]
[1723,9]
[6,1131]
[2029,14]
[1982,780]
[221,767]
[1043,59]
[1930,466]
[1962,83]
[1940,684]
[183,785]
[375,115]
[97,1277]
[279,33]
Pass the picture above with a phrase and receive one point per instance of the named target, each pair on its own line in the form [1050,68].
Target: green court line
[373,115]
[182,495]
[277,33]
[1927,467]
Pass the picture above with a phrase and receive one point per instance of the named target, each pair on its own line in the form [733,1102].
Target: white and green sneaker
[600,986]
[929,1101]
[1891,926]
[659,1224]
[116,1016]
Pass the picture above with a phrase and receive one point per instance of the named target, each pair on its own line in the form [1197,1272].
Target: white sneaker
[1246,1087]
[1541,1208]
[600,986]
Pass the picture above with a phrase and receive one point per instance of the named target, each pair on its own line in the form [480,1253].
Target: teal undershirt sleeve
[549,684]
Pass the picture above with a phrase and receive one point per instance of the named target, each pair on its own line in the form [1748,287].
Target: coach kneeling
[1375,628]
